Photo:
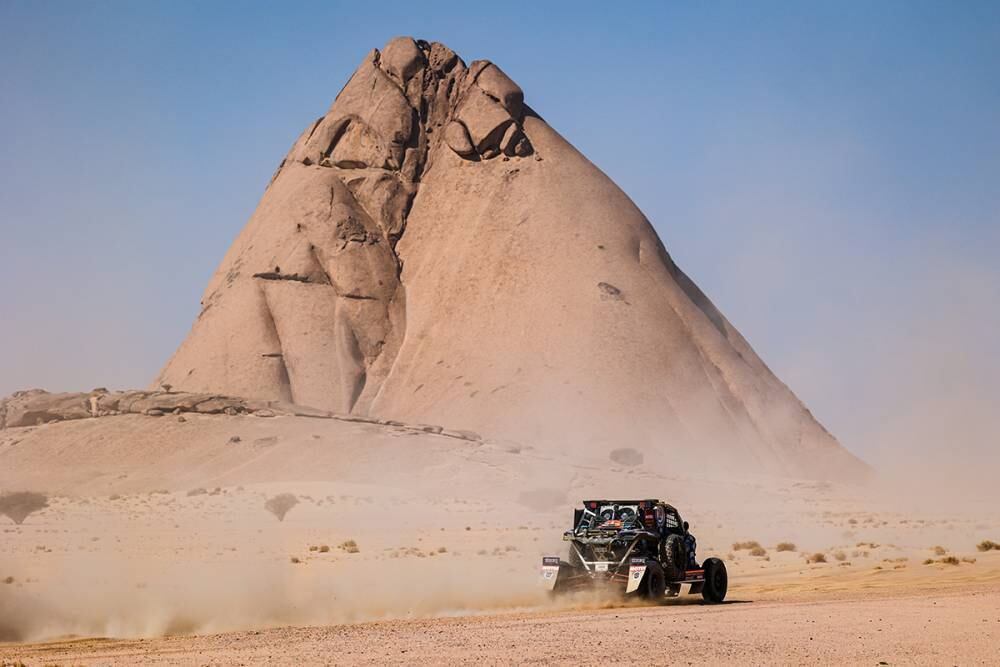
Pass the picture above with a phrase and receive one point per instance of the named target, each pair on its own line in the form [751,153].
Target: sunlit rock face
[430,250]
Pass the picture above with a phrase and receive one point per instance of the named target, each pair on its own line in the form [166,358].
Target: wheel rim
[718,581]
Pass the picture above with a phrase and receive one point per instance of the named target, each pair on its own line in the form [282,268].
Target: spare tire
[716,581]
[654,584]
[673,555]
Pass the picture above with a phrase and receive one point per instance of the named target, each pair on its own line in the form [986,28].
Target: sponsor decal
[636,568]
[550,571]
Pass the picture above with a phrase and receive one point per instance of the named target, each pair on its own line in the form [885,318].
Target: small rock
[234,439]
[153,412]
[457,138]
[181,419]
[402,58]
[264,413]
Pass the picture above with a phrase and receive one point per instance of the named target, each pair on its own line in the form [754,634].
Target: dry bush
[758,551]
[967,559]
[817,557]
[939,550]
[626,456]
[8,580]
[988,545]
[350,546]
[281,504]
[197,492]
[313,548]
[928,561]
[20,505]
[949,560]
[840,555]
[785,546]
[442,550]
[752,544]
[323,548]
[295,560]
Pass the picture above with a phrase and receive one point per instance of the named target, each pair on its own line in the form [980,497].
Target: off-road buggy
[641,547]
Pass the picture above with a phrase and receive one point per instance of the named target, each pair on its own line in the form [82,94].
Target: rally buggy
[641,547]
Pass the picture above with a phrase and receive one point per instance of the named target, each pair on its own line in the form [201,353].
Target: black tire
[716,581]
[673,555]
[654,583]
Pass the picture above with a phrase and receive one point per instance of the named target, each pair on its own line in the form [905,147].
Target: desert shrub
[442,550]
[840,555]
[740,546]
[939,550]
[626,456]
[928,561]
[281,504]
[197,492]
[295,560]
[8,580]
[350,546]
[967,559]
[949,560]
[323,548]
[817,557]
[20,505]
[758,551]
[785,546]
[988,545]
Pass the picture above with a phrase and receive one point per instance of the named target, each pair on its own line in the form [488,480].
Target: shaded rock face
[431,251]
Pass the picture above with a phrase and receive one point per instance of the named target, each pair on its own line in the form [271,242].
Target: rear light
[592,506]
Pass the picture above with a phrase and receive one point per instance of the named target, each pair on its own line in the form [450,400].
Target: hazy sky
[829,173]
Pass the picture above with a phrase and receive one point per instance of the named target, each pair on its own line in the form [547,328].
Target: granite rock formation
[430,250]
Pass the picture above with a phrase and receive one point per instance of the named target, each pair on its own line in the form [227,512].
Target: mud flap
[636,568]
[550,572]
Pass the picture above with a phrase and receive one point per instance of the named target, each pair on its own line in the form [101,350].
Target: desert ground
[405,546]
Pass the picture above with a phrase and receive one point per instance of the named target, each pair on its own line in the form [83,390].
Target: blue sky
[829,173]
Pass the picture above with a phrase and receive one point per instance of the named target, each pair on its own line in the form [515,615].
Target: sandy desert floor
[411,547]
[895,629]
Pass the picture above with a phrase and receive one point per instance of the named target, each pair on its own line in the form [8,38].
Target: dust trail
[99,597]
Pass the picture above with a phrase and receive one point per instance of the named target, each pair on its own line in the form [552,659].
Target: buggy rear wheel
[654,585]
[716,581]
